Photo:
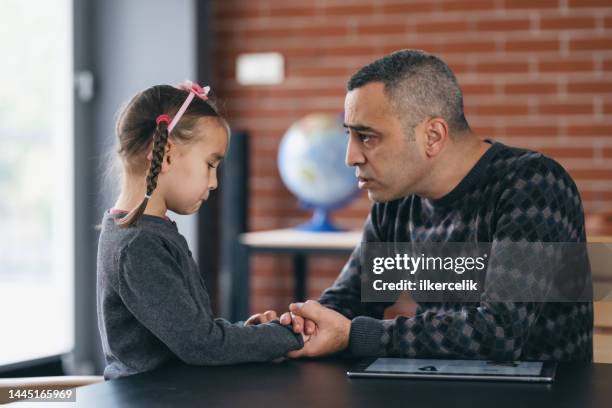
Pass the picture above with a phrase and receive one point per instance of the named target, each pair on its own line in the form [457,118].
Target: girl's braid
[159,146]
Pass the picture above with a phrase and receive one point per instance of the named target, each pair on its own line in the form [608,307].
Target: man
[432,179]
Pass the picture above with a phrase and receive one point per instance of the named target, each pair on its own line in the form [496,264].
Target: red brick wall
[535,73]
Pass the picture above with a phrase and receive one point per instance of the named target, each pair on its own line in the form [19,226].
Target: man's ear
[436,135]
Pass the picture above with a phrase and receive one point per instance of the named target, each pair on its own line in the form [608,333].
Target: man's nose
[354,156]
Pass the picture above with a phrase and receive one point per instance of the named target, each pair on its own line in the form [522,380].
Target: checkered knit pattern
[510,195]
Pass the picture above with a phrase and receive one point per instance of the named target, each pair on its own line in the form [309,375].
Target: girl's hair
[137,127]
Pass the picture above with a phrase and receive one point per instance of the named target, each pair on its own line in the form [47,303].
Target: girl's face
[191,170]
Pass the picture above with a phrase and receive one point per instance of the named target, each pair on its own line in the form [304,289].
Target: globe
[311,164]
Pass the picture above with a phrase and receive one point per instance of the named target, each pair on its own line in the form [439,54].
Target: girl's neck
[131,196]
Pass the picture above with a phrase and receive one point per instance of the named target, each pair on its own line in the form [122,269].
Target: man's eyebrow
[217,156]
[360,128]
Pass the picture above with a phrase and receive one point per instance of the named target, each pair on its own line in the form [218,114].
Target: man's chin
[379,196]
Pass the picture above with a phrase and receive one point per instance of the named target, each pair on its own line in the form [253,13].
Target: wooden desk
[324,384]
[298,244]
[292,240]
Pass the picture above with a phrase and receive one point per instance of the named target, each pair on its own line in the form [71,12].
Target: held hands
[268,316]
[298,323]
[323,330]
[328,331]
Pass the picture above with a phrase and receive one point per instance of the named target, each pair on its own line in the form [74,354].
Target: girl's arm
[153,288]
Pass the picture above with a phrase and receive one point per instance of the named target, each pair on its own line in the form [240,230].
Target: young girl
[153,306]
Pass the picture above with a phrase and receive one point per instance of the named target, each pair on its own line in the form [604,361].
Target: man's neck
[453,168]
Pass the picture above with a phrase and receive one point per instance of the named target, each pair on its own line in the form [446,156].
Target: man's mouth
[363,182]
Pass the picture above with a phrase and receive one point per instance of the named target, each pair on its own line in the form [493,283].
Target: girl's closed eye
[214,160]
[214,164]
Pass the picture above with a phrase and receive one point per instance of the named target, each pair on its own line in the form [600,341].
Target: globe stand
[320,222]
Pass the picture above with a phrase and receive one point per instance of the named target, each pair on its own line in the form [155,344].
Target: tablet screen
[466,367]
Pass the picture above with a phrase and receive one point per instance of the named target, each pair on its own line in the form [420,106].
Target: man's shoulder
[520,167]
[518,162]
[538,200]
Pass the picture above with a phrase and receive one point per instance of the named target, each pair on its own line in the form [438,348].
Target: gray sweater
[154,308]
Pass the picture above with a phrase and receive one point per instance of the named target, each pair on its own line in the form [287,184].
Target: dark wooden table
[324,383]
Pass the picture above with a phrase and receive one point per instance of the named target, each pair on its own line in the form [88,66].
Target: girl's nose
[212,182]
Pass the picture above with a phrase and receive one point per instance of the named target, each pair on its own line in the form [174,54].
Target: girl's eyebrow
[217,156]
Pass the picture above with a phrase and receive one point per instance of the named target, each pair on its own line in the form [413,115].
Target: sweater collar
[476,174]
[113,213]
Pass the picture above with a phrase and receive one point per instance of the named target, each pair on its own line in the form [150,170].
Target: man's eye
[363,138]
[211,166]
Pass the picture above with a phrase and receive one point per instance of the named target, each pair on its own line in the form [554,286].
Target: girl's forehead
[213,139]
[211,126]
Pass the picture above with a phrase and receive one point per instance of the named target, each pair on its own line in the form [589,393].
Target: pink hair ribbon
[194,90]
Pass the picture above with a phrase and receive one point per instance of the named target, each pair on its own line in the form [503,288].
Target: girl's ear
[170,149]
[150,154]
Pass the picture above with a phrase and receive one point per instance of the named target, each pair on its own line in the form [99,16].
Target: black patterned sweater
[510,195]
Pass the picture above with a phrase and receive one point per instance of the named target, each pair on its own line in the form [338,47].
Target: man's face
[389,162]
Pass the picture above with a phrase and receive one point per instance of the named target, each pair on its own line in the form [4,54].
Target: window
[36,180]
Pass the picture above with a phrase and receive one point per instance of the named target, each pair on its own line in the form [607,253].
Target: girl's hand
[298,323]
[260,318]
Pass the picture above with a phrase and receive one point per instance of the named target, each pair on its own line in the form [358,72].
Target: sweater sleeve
[152,286]
[541,204]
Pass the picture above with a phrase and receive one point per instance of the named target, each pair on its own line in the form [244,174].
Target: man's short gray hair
[419,85]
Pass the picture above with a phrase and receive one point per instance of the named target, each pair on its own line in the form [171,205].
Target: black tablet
[530,371]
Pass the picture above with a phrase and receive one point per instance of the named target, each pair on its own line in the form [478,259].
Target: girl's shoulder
[147,235]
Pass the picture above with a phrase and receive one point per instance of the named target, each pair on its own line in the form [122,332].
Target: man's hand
[331,332]
[298,323]
[260,318]
[270,315]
